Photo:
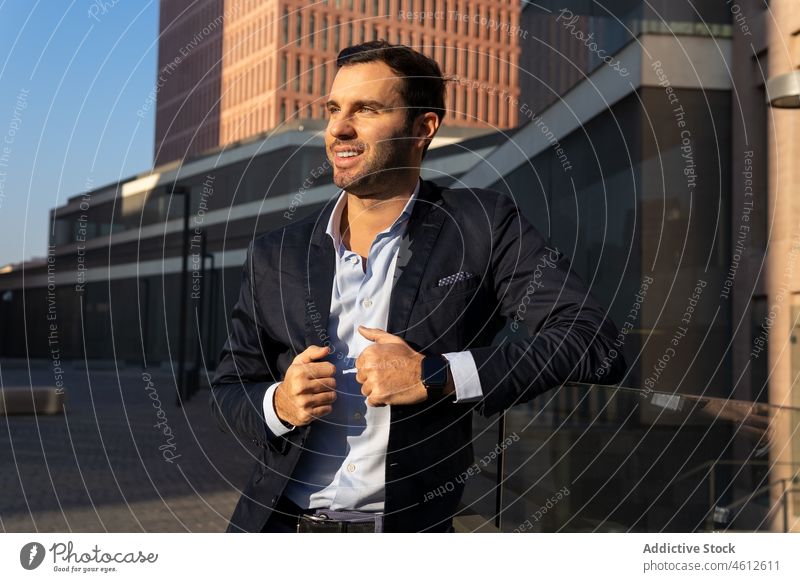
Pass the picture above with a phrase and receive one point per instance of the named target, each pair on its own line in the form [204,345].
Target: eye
[367,109]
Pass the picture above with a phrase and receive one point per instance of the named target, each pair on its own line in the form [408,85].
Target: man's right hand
[308,389]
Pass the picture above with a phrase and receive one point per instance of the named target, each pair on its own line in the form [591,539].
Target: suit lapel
[420,237]
[320,269]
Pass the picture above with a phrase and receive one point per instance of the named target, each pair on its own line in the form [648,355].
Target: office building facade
[230,70]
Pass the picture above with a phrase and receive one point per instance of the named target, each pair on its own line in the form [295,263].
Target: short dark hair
[423,86]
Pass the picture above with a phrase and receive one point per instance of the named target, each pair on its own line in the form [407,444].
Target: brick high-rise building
[232,69]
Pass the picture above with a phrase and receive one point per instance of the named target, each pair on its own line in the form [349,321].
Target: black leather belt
[327,521]
[323,523]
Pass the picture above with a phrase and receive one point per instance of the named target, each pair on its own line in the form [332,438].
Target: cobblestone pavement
[123,457]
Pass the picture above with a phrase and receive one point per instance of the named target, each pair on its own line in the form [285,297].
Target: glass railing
[586,458]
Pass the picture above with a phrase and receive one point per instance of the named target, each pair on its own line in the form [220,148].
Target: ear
[427,125]
[425,128]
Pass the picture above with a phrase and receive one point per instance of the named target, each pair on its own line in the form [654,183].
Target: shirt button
[357,416]
[367,303]
[351,467]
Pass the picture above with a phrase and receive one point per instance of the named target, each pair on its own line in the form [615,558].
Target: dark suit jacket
[284,304]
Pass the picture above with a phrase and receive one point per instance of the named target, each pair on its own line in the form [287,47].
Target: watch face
[434,372]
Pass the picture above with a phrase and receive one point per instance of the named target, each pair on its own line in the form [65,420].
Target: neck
[373,214]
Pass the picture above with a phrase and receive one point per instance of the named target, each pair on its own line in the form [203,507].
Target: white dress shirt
[343,464]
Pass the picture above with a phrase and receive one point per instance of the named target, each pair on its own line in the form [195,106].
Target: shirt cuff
[465,376]
[274,423]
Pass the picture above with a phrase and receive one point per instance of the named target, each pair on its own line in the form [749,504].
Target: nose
[341,127]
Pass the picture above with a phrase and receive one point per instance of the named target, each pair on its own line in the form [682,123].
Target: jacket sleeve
[566,335]
[247,365]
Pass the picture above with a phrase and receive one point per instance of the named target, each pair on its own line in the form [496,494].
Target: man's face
[367,116]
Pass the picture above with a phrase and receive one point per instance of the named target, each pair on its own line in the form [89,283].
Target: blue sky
[72,77]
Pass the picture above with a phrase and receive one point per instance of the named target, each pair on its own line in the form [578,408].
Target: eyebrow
[360,103]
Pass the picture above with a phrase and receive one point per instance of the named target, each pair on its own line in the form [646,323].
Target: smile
[346,158]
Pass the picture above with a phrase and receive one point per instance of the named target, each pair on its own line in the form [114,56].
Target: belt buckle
[310,523]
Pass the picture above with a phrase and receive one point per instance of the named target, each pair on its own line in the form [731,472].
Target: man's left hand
[389,370]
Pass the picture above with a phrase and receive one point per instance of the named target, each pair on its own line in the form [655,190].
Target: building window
[310,79]
[324,32]
[285,25]
[283,69]
[283,111]
[336,33]
[297,69]
[311,30]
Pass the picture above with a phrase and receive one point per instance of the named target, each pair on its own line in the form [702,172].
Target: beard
[371,176]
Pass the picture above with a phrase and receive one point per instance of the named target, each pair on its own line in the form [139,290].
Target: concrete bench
[31,400]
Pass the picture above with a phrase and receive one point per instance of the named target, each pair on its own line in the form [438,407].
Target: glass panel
[586,458]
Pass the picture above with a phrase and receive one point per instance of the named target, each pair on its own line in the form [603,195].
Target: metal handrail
[765,489]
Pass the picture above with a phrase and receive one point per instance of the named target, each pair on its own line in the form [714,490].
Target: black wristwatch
[434,375]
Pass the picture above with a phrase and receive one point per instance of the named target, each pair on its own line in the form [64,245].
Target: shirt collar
[333,229]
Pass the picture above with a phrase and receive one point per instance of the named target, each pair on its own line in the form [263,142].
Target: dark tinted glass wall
[283,171]
[644,216]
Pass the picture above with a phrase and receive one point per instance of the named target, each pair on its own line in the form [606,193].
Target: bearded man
[361,341]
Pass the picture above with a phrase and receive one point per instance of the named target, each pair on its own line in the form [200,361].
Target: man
[361,341]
